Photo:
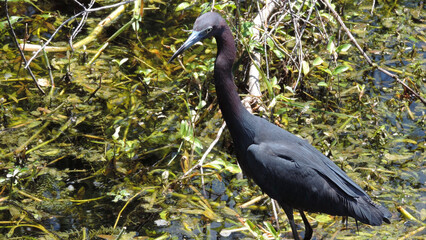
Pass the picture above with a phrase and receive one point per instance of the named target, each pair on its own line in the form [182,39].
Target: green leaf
[251,225]
[413,39]
[122,61]
[305,68]
[34,124]
[343,48]
[340,69]
[230,4]
[326,70]
[397,157]
[219,164]
[270,43]
[271,230]
[278,53]
[317,61]
[182,6]
[116,134]
[331,48]
[201,104]
[216,164]
[163,214]
[246,29]
[13,19]
[187,134]
[51,152]
[326,15]
[45,16]
[233,168]
[322,84]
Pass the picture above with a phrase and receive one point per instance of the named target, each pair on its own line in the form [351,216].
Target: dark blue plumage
[285,167]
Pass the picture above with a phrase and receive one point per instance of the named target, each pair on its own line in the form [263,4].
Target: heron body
[287,168]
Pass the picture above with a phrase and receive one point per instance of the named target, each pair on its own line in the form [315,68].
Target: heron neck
[230,104]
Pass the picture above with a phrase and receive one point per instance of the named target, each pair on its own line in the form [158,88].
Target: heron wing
[286,147]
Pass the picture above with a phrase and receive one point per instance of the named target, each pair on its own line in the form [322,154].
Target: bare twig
[275,209]
[85,11]
[82,22]
[259,22]
[200,163]
[348,32]
[20,50]
[51,38]
[125,205]
[97,89]
[300,42]
[298,46]
[272,37]
[323,34]
[109,6]
[52,82]
[372,7]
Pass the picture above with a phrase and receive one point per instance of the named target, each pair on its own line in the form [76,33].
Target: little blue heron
[287,168]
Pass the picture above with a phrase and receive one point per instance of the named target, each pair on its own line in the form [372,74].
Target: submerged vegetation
[122,144]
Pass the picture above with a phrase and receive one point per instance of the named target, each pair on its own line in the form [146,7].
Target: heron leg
[308,228]
[289,212]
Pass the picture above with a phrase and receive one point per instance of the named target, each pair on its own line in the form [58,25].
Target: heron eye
[209,29]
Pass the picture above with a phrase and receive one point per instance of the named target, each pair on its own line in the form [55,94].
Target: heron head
[207,25]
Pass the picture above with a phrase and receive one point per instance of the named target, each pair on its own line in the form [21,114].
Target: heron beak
[192,39]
